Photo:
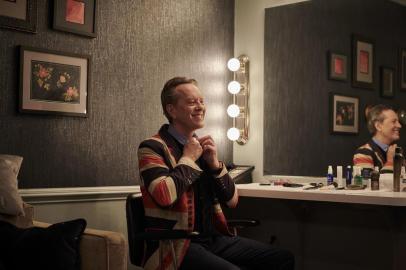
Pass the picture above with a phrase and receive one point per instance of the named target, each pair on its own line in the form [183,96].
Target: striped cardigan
[167,189]
[370,155]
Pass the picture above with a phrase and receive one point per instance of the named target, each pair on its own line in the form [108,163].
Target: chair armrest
[101,250]
[242,223]
[166,234]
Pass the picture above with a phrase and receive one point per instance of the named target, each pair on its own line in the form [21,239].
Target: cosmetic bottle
[403,179]
[348,175]
[330,176]
[357,176]
[340,180]
[375,179]
[366,177]
[397,167]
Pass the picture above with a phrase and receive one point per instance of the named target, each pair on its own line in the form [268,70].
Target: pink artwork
[338,66]
[364,62]
[75,11]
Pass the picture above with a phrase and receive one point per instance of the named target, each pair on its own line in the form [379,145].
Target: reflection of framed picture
[337,66]
[53,82]
[75,16]
[19,15]
[387,81]
[402,69]
[362,62]
[344,112]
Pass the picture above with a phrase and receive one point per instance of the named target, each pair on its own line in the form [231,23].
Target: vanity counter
[374,197]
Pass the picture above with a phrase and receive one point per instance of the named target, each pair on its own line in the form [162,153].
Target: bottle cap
[330,169]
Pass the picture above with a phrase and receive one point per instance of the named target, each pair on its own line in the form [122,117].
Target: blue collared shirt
[179,137]
[383,146]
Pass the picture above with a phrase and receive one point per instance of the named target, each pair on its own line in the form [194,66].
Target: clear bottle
[340,180]
[330,176]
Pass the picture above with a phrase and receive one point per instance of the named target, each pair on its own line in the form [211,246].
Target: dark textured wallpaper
[297,136]
[139,45]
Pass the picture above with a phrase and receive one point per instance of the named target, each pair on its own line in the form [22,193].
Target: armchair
[101,250]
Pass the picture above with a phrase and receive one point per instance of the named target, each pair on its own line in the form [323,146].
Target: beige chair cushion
[10,200]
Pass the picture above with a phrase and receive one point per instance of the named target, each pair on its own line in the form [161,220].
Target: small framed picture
[402,69]
[53,82]
[337,66]
[362,62]
[344,112]
[19,15]
[75,16]
[387,81]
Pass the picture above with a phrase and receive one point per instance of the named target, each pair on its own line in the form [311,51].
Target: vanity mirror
[298,37]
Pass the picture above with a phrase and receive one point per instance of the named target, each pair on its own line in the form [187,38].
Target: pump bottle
[330,177]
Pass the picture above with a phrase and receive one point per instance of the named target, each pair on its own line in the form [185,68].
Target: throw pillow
[55,247]
[10,200]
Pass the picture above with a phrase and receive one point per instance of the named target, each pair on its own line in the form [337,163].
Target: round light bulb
[233,110]
[234,87]
[233,134]
[233,64]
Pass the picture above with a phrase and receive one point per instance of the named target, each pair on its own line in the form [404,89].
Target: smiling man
[383,124]
[183,184]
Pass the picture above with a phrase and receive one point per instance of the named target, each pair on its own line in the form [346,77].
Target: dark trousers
[232,253]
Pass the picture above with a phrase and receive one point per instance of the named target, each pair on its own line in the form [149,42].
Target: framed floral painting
[53,82]
[75,16]
[344,113]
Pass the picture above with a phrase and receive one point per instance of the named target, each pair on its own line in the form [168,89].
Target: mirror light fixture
[239,88]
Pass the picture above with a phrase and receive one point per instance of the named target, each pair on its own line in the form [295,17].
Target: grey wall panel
[297,138]
[139,45]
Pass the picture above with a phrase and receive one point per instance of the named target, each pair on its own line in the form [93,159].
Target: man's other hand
[210,152]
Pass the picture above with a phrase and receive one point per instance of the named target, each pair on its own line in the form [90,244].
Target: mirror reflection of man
[383,124]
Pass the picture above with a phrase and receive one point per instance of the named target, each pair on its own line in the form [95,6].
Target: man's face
[389,128]
[189,110]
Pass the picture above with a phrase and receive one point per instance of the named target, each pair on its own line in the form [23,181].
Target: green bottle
[358,176]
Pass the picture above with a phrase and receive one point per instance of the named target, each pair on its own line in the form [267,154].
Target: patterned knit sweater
[370,155]
[167,181]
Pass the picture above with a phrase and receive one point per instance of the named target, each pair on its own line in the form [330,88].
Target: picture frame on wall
[363,62]
[337,66]
[75,16]
[344,111]
[53,82]
[402,69]
[387,81]
[19,15]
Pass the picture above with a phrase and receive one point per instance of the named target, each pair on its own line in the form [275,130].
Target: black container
[397,167]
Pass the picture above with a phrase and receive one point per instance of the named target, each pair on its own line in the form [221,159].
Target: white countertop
[378,197]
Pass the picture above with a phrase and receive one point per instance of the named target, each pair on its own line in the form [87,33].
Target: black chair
[137,234]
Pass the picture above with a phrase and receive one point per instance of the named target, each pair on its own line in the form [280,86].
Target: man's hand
[192,149]
[210,152]
[390,154]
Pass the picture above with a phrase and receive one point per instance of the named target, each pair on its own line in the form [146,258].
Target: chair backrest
[135,224]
